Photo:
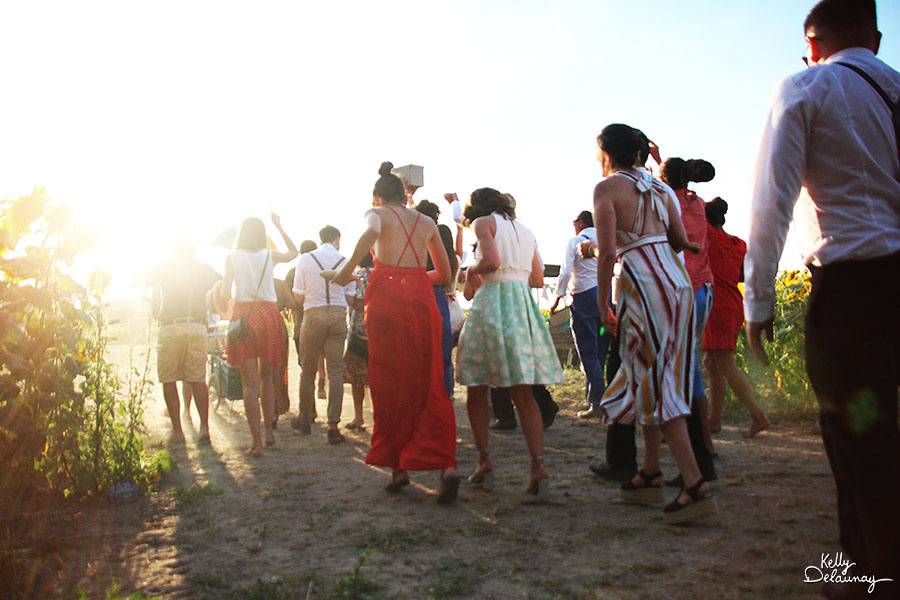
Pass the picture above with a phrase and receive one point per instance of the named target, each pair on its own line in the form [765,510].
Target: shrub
[783,387]
[68,424]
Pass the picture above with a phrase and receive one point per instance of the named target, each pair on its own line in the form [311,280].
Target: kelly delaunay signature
[833,569]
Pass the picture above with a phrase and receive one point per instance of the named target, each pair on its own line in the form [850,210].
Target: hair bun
[385,168]
[720,204]
[699,171]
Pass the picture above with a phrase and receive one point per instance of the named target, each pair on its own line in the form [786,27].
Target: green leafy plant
[69,425]
[784,386]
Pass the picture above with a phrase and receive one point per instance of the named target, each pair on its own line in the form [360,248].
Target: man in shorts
[181,349]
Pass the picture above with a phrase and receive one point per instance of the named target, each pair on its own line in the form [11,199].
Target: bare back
[635,212]
[404,237]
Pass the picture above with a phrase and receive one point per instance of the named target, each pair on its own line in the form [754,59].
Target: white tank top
[247,267]
[516,245]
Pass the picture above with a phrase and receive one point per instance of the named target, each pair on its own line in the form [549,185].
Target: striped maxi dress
[655,320]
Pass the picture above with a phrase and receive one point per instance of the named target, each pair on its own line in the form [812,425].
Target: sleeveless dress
[655,320]
[726,259]
[415,426]
[256,303]
[505,340]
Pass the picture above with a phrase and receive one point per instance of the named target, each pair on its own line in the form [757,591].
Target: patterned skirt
[266,337]
[505,340]
[656,339]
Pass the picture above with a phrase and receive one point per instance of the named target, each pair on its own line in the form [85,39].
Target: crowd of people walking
[654,285]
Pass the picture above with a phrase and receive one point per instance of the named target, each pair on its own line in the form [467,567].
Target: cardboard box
[413,175]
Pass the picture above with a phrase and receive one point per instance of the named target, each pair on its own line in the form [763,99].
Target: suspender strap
[893,107]
[327,283]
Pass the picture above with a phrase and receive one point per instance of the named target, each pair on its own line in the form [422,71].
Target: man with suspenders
[324,330]
[592,346]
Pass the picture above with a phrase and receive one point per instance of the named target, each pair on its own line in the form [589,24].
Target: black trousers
[502,405]
[621,450]
[853,361]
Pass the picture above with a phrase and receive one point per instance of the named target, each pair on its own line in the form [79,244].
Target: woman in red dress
[415,426]
[726,259]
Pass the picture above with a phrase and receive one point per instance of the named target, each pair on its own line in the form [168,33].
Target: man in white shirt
[324,330]
[579,277]
[831,132]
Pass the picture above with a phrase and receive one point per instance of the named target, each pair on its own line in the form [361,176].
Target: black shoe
[549,418]
[678,481]
[609,472]
[335,436]
[303,428]
[499,425]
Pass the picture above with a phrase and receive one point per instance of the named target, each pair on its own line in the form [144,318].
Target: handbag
[358,346]
[457,315]
[238,329]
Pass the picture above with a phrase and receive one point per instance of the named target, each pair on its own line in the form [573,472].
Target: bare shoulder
[485,225]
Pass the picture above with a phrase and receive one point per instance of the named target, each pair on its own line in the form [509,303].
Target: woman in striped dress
[639,226]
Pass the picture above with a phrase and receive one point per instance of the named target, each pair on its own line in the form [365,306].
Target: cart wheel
[214,395]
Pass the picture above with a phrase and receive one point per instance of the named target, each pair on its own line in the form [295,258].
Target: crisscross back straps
[408,235]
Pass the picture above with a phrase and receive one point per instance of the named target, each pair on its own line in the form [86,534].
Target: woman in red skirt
[256,338]
[415,426]
[726,259]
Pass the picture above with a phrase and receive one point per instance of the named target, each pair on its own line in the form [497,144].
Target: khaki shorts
[181,353]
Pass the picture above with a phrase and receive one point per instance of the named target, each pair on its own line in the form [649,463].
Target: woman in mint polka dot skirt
[505,341]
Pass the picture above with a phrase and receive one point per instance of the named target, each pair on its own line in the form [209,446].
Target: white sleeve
[780,167]
[562,284]
[373,221]
[298,277]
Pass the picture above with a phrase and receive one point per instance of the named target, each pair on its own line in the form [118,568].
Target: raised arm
[363,246]
[605,222]
[291,254]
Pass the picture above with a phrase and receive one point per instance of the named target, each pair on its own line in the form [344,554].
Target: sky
[158,119]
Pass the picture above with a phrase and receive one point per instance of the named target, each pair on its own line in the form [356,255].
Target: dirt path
[296,523]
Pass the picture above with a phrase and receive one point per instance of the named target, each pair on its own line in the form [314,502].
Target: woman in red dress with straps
[726,259]
[415,426]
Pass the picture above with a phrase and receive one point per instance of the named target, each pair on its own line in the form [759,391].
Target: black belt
[182,320]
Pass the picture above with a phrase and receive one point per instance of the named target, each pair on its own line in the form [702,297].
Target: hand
[450,197]
[692,247]
[608,318]
[555,307]
[755,331]
[276,220]
[343,277]
[654,152]
[588,249]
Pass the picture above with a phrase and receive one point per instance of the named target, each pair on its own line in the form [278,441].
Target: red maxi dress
[415,426]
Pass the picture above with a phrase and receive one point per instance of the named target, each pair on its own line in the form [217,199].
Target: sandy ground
[296,523]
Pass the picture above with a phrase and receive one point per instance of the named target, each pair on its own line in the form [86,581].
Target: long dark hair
[252,235]
[622,143]
[486,201]
[389,187]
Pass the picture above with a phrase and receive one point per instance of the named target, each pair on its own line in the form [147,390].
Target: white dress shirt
[831,133]
[581,271]
[309,283]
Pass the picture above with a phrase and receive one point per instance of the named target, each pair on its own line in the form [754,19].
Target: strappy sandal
[644,493]
[698,507]
[539,486]
[483,475]
[449,489]
[395,485]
